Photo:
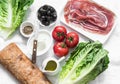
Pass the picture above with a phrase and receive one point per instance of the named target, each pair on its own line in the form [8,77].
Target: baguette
[15,61]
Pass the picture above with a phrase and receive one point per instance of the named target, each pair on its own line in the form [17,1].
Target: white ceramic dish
[24,24]
[54,72]
[40,23]
[92,36]
[44,41]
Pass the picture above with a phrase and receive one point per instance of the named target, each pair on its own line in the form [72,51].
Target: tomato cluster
[64,40]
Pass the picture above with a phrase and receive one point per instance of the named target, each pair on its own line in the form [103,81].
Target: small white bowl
[23,25]
[57,62]
[52,23]
[44,41]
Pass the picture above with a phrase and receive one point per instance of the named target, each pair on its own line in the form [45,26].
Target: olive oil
[51,65]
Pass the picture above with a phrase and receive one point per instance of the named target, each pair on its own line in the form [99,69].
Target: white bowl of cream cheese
[44,41]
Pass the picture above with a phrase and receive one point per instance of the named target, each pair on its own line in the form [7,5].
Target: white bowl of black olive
[46,15]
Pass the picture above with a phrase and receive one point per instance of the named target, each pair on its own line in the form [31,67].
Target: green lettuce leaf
[11,15]
[86,58]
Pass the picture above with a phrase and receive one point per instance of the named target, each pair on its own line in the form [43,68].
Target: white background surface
[110,76]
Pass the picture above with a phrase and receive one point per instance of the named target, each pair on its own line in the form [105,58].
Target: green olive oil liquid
[51,66]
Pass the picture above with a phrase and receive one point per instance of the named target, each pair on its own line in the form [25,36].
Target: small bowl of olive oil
[51,66]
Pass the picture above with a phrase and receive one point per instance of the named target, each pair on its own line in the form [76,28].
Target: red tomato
[60,49]
[72,39]
[59,33]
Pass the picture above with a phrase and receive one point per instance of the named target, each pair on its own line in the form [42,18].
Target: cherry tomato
[59,33]
[60,49]
[72,39]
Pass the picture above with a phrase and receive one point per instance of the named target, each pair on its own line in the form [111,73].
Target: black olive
[39,10]
[49,18]
[46,22]
[42,11]
[43,17]
[39,16]
[52,9]
[49,7]
[45,7]
[48,12]
[54,17]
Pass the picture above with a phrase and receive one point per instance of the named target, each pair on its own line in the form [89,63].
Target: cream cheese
[43,42]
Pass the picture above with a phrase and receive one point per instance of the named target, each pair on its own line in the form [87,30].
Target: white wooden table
[110,76]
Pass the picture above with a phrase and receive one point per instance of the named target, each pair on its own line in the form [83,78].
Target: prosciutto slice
[89,15]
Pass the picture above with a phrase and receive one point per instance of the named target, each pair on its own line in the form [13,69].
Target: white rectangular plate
[92,36]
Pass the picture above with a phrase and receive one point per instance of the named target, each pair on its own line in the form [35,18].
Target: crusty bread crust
[15,61]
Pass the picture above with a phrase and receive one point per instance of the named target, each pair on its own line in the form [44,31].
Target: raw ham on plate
[89,18]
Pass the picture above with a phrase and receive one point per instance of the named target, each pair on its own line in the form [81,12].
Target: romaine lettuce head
[86,62]
[11,15]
